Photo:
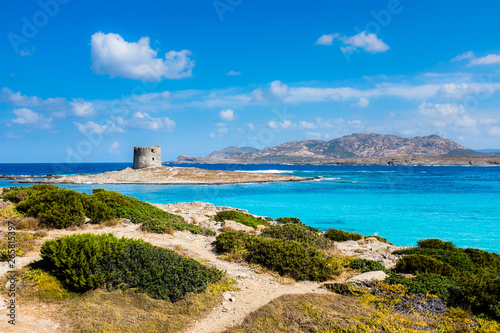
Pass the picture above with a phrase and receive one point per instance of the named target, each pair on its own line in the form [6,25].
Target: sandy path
[255,290]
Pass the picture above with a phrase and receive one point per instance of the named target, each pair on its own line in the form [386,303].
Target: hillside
[350,146]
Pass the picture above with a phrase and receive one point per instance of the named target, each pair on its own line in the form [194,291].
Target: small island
[148,170]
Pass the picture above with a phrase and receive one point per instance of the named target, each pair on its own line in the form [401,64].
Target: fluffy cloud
[28,117]
[114,148]
[326,39]
[145,121]
[94,128]
[227,115]
[82,108]
[474,61]
[278,89]
[233,73]
[305,124]
[111,54]
[363,41]
[362,103]
[286,124]
[441,110]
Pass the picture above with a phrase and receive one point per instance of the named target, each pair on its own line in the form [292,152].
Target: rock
[238,226]
[242,276]
[371,239]
[227,296]
[368,276]
[260,227]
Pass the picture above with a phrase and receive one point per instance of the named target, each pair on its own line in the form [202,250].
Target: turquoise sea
[401,203]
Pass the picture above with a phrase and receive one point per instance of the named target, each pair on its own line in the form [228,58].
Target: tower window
[153,158]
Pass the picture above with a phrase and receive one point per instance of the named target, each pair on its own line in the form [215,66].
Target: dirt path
[255,290]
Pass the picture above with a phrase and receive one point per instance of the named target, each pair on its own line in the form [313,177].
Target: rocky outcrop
[350,146]
[167,175]
[368,276]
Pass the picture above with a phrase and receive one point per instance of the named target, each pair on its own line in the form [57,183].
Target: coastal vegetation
[240,217]
[60,208]
[297,260]
[84,262]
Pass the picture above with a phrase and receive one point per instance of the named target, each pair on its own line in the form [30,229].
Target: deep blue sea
[401,203]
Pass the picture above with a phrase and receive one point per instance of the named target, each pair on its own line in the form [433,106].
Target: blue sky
[85,81]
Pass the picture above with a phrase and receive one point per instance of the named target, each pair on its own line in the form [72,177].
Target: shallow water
[401,203]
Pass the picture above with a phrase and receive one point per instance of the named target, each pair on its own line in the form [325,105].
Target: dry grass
[28,223]
[332,313]
[25,243]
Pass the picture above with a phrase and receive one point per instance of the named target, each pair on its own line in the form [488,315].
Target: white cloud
[441,110]
[94,128]
[466,121]
[362,103]
[220,124]
[7,96]
[474,61]
[495,131]
[227,114]
[487,60]
[233,73]
[82,108]
[145,121]
[111,54]
[286,124]
[313,135]
[222,130]
[278,89]
[367,42]
[27,117]
[251,126]
[465,55]
[305,124]
[114,148]
[212,135]
[326,39]
[489,121]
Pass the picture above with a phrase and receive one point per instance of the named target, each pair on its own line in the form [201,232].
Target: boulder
[368,276]
[238,226]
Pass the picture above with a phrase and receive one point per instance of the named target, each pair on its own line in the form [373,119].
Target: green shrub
[160,226]
[131,208]
[365,265]
[299,233]
[481,291]
[456,258]
[445,287]
[285,220]
[298,260]
[434,243]
[77,260]
[341,236]
[417,263]
[243,218]
[87,261]
[483,259]
[55,207]
[97,211]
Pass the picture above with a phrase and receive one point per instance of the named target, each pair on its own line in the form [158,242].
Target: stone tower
[145,157]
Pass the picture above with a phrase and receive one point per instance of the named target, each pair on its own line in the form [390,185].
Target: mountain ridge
[357,145]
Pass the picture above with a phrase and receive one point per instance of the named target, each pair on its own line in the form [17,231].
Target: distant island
[356,149]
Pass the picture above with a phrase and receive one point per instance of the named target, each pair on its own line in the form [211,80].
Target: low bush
[417,263]
[55,207]
[481,291]
[24,241]
[434,243]
[295,259]
[341,236]
[484,259]
[161,226]
[365,265]
[87,261]
[299,233]
[285,220]
[456,258]
[243,218]
[445,287]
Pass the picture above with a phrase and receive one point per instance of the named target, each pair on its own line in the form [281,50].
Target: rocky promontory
[167,175]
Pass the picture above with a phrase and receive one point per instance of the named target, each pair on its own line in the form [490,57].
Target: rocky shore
[167,175]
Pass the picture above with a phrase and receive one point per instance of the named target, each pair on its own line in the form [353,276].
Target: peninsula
[167,175]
